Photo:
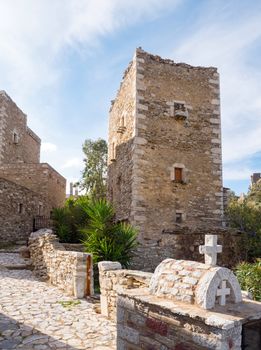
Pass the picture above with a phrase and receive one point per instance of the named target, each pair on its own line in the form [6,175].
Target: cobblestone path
[35,315]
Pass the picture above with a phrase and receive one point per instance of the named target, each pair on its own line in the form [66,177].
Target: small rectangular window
[40,208]
[178,218]
[20,208]
[15,138]
[178,174]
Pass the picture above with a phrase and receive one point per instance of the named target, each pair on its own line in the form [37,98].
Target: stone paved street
[34,315]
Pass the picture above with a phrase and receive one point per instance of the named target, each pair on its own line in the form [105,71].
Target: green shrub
[249,277]
[104,238]
[247,218]
[68,220]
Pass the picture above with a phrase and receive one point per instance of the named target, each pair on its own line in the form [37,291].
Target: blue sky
[62,61]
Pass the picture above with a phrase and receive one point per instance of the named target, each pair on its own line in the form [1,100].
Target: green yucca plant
[104,238]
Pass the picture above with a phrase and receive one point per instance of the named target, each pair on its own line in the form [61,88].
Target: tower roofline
[159,59]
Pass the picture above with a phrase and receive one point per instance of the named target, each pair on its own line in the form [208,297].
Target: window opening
[15,137]
[20,208]
[178,218]
[178,174]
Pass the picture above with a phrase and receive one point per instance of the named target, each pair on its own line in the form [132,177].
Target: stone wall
[114,280]
[40,178]
[178,307]
[18,206]
[19,143]
[20,164]
[70,271]
[173,124]
[146,322]
[184,244]
[121,133]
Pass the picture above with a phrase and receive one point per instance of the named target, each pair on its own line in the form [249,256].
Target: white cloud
[237,173]
[47,147]
[35,34]
[73,163]
[226,43]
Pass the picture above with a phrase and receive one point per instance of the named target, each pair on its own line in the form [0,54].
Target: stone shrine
[184,305]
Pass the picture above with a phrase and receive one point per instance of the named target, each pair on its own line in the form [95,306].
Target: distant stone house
[165,163]
[28,188]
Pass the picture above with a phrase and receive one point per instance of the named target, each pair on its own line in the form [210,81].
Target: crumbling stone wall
[17,206]
[70,271]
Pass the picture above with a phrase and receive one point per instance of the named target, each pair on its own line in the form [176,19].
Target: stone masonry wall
[70,271]
[114,280]
[120,153]
[26,148]
[180,245]
[18,206]
[20,164]
[141,177]
[165,140]
[144,322]
[40,178]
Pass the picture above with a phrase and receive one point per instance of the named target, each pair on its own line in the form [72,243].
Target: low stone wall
[147,322]
[70,271]
[75,247]
[113,280]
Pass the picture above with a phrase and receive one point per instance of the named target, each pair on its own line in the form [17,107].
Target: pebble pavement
[37,316]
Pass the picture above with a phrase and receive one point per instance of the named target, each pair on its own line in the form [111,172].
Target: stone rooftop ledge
[223,317]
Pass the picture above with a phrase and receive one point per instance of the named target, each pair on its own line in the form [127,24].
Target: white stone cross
[210,249]
[222,293]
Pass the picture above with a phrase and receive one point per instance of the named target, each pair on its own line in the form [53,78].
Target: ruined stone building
[165,166]
[28,188]
[255,178]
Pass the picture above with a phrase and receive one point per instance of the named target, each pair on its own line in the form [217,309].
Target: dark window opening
[15,137]
[180,111]
[178,218]
[20,208]
[40,209]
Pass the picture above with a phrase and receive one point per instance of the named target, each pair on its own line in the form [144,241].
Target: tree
[254,194]
[95,171]
[246,215]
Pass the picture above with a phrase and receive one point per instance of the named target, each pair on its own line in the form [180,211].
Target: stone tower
[165,165]
[28,189]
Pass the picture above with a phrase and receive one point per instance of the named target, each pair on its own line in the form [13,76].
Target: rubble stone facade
[68,270]
[28,188]
[165,166]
